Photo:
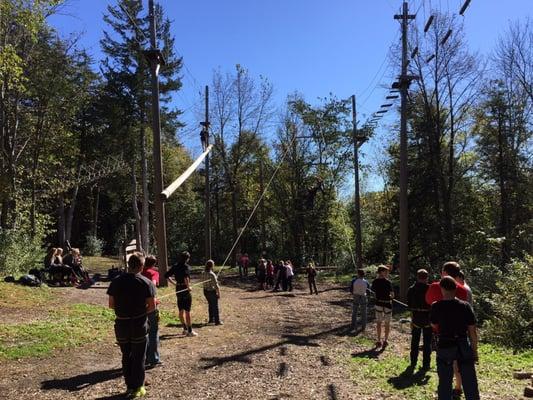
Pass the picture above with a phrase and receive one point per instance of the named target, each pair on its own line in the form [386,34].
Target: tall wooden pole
[207,184]
[262,207]
[156,59]
[404,221]
[357,200]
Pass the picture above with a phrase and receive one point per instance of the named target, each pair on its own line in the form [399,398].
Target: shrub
[93,246]
[19,252]
[511,323]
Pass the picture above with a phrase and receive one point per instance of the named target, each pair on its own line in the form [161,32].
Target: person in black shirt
[420,325]
[180,275]
[132,296]
[384,293]
[455,322]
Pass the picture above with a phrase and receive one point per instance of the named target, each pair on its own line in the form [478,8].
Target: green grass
[494,372]
[100,264]
[18,296]
[70,327]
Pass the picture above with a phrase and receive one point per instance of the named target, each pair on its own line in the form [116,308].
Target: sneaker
[377,344]
[139,392]
[456,393]
[385,344]
[191,334]
[219,323]
[184,331]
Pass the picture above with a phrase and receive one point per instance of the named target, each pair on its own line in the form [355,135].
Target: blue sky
[315,47]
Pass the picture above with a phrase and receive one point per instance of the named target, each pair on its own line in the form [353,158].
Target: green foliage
[19,252]
[93,246]
[511,322]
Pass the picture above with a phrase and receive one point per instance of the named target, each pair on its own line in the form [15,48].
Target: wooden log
[165,194]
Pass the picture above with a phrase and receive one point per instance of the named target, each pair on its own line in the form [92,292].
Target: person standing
[455,323]
[420,324]
[434,293]
[279,273]
[211,292]
[289,275]
[382,288]
[461,280]
[261,273]
[311,278]
[358,289]
[132,297]
[151,273]
[180,276]
[269,274]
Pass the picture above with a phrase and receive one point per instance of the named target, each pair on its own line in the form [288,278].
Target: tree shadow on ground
[79,382]
[407,379]
[297,340]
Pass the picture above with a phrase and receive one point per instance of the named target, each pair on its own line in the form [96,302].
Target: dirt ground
[271,346]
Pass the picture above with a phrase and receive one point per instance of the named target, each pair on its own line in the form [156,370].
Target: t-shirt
[179,272]
[311,273]
[289,271]
[151,274]
[453,318]
[434,293]
[359,286]
[129,292]
[416,299]
[382,287]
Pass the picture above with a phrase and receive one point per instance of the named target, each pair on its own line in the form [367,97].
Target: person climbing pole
[180,276]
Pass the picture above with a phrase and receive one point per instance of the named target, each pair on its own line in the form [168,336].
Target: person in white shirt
[358,289]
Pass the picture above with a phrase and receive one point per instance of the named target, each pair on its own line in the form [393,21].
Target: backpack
[29,280]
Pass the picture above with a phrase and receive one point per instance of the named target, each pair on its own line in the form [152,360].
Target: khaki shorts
[383,314]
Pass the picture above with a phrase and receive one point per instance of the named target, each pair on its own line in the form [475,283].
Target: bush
[19,252]
[511,323]
[93,246]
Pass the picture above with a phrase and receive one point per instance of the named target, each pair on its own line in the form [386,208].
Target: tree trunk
[504,198]
[61,221]
[136,213]
[235,222]
[95,213]
[145,212]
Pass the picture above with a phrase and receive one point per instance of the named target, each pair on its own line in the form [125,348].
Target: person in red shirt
[434,294]
[152,352]
[450,268]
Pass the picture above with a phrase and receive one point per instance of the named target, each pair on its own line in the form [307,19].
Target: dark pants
[426,333]
[279,280]
[312,285]
[212,301]
[462,352]
[152,353]
[131,337]
[289,283]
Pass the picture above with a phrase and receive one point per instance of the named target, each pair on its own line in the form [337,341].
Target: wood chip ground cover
[272,346]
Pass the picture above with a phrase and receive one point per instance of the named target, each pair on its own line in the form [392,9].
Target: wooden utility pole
[357,197]
[404,83]
[156,60]
[205,144]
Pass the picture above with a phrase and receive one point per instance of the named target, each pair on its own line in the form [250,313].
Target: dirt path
[272,346]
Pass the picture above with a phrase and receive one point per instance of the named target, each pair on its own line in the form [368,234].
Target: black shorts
[184,301]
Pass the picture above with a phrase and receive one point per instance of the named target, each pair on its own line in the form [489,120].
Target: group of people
[277,276]
[441,314]
[66,269]
[133,296]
